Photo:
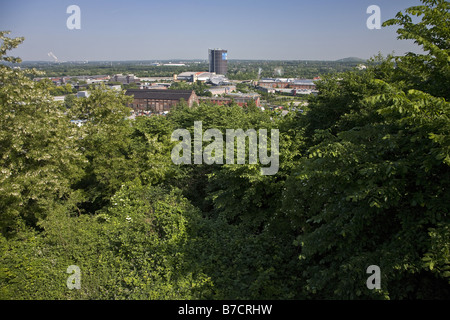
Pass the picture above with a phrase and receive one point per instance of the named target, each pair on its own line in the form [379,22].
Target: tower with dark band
[218,61]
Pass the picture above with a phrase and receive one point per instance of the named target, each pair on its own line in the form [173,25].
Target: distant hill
[351,59]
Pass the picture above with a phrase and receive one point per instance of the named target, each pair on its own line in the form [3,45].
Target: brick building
[158,101]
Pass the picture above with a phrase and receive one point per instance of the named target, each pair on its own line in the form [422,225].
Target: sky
[112,30]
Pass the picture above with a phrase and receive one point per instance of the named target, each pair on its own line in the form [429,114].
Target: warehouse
[239,99]
[158,101]
[270,83]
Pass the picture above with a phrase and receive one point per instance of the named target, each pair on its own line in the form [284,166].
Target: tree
[151,147]
[37,153]
[104,140]
[430,71]
[363,180]
[137,249]
[242,244]
[371,188]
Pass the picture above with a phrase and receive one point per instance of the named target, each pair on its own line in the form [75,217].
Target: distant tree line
[363,180]
[237,69]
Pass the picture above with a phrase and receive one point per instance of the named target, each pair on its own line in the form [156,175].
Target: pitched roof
[160,94]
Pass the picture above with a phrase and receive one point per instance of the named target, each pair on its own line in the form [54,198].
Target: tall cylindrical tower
[218,61]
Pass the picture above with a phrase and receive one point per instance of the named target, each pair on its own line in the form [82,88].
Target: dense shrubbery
[363,180]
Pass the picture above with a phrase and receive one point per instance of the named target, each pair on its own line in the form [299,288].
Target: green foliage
[199,87]
[62,90]
[136,250]
[104,139]
[244,265]
[371,188]
[429,72]
[363,180]
[255,69]
[55,90]
[37,153]
[237,69]
[130,86]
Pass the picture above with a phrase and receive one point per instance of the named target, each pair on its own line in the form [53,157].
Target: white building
[83,94]
[59,98]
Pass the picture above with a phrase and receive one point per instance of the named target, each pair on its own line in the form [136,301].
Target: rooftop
[290,80]
[160,94]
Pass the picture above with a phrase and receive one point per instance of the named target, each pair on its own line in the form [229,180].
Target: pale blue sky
[185,29]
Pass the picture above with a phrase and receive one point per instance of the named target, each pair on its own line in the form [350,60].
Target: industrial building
[238,98]
[195,76]
[287,83]
[124,79]
[218,59]
[292,86]
[207,77]
[159,101]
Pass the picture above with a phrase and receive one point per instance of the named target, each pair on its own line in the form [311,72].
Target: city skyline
[171,30]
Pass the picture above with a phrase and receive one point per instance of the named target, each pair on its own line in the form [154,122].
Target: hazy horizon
[139,30]
[186,60]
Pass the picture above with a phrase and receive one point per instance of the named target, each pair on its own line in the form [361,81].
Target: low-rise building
[155,86]
[124,79]
[281,83]
[208,77]
[59,98]
[159,101]
[222,90]
[195,76]
[116,87]
[83,94]
[240,99]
